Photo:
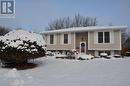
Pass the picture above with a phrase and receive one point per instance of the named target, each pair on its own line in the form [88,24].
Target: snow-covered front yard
[59,72]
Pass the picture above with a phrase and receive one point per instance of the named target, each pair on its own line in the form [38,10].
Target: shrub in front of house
[20,49]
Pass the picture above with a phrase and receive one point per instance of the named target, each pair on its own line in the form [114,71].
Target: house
[90,40]
[126,47]
[127,43]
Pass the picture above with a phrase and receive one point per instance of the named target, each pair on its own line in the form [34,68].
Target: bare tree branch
[76,21]
[4,30]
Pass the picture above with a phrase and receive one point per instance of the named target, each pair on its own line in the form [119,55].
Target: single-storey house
[90,40]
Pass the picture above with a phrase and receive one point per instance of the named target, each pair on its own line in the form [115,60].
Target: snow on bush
[19,46]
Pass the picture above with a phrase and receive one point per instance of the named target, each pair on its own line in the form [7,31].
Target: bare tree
[4,30]
[76,21]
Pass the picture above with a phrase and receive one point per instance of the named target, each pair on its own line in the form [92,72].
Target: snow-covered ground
[63,72]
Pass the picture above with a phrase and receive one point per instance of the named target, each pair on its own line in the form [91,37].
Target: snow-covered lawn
[59,72]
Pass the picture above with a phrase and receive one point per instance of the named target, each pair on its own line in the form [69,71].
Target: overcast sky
[35,15]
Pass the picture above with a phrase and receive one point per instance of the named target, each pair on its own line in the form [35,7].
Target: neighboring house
[127,43]
[90,40]
[126,46]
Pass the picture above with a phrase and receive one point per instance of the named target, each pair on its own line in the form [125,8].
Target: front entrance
[82,47]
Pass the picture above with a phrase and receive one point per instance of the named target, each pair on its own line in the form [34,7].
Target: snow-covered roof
[82,29]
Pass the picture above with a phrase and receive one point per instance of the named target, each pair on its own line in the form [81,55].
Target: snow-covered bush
[82,56]
[19,46]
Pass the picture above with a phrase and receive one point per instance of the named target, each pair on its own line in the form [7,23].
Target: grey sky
[34,15]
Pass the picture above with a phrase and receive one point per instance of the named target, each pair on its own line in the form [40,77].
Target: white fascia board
[102,49]
[82,29]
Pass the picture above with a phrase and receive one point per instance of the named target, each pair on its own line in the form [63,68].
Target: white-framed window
[51,39]
[104,37]
[65,38]
[100,37]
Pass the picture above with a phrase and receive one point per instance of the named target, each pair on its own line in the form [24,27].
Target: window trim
[110,37]
[105,40]
[62,38]
[66,39]
[54,39]
[99,41]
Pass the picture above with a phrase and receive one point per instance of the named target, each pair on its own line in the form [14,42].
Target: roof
[90,28]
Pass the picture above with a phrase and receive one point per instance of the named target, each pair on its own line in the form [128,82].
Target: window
[99,52]
[65,38]
[100,37]
[51,39]
[103,37]
[108,52]
[107,37]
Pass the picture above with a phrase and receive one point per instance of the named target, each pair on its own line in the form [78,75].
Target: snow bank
[84,56]
[60,55]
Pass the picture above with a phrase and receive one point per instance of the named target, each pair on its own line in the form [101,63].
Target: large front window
[103,37]
[100,37]
[51,39]
[65,38]
[107,37]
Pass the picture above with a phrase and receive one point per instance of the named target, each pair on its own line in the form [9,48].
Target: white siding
[69,38]
[95,37]
[96,53]
[55,38]
[48,39]
[115,41]
[112,37]
[61,39]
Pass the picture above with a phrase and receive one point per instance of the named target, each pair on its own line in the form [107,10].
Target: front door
[82,47]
